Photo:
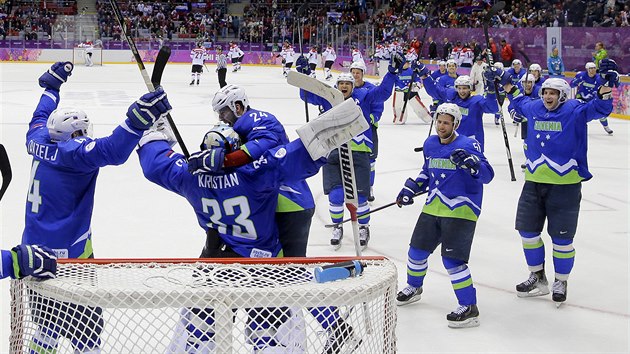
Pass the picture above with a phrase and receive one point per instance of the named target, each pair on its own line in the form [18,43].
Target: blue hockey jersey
[260,132]
[63,176]
[240,203]
[556,143]
[587,86]
[452,192]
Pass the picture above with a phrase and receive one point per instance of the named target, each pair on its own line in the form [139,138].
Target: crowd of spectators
[168,19]
[30,18]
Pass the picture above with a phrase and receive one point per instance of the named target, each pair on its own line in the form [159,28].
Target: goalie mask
[560,85]
[224,103]
[223,136]
[66,123]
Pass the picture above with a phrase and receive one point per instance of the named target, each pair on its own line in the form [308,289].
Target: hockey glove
[419,68]
[56,75]
[516,118]
[464,160]
[396,63]
[207,161]
[38,261]
[301,65]
[405,197]
[148,109]
[161,130]
[608,69]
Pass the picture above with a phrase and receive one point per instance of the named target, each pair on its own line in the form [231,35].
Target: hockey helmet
[463,80]
[228,96]
[452,110]
[223,136]
[345,77]
[66,123]
[558,84]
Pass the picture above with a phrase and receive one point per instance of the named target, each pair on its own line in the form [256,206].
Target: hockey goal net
[205,306]
[78,56]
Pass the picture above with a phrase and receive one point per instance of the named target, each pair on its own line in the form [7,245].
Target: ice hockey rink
[134,218]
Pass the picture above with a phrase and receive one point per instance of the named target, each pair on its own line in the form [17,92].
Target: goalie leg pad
[420,109]
[332,129]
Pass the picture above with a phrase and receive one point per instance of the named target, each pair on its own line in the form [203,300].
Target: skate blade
[533,293]
[471,322]
[558,304]
[336,247]
[403,303]
[363,248]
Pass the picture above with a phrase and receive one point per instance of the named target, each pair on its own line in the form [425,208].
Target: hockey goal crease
[238,306]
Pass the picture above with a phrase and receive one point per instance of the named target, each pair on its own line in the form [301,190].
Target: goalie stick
[372,211]
[5,169]
[486,21]
[143,71]
[300,13]
[335,97]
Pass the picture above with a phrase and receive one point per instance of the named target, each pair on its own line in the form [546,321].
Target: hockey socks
[461,280]
[417,265]
[563,257]
[336,207]
[534,249]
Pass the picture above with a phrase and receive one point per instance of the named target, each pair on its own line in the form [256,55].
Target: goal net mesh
[194,306]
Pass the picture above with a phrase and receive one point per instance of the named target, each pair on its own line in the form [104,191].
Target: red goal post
[210,305]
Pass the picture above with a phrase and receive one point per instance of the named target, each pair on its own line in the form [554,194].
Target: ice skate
[192,82]
[197,82]
[364,236]
[464,317]
[336,238]
[608,130]
[535,285]
[408,295]
[341,339]
[559,292]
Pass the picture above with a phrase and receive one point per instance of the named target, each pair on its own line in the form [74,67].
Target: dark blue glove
[207,161]
[301,65]
[396,63]
[148,109]
[405,197]
[516,118]
[56,75]
[464,160]
[38,261]
[419,68]
[608,70]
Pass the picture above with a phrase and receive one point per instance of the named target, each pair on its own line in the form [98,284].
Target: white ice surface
[136,219]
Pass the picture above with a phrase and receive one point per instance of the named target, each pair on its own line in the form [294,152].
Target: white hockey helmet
[451,61]
[516,62]
[463,80]
[528,78]
[590,65]
[535,67]
[358,65]
[499,65]
[557,84]
[345,77]
[451,109]
[223,136]
[66,123]
[228,96]
[441,63]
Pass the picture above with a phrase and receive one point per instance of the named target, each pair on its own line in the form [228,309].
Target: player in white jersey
[236,54]
[312,60]
[198,56]
[356,55]
[329,59]
[287,55]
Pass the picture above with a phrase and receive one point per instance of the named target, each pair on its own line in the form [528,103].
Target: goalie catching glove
[332,129]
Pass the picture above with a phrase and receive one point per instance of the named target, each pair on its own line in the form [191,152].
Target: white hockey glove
[160,130]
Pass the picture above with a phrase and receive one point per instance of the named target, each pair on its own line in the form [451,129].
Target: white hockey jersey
[198,56]
[329,54]
[288,53]
[312,56]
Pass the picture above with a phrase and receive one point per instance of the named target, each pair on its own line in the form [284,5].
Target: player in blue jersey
[526,87]
[556,166]
[536,70]
[402,94]
[516,71]
[357,69]
[446,80]
[260,132]
[361,147]
[453,174]
[238,202]
[28,260]
[472,107]
[588,83]
[60,200]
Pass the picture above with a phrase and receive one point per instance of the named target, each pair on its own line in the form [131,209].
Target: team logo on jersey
[282,152]
[90,146]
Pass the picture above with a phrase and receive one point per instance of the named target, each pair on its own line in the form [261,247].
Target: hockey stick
[300,13]
[493,11]
[413,75]
[371,211]
[5,169]
[143,71]
[160,64]
[418,149]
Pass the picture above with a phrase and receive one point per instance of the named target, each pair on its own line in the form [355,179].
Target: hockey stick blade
[160,63]
[418,149]
[5,169]
[498,6]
